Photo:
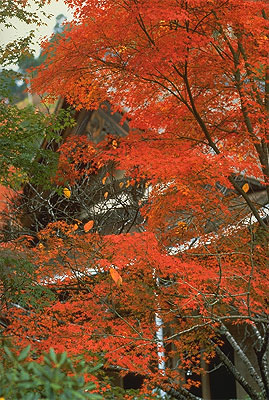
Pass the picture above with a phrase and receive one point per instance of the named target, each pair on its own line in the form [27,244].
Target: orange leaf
[245,187]
[104,180]
[115,276]
[67,193]
[105,195]
[88,226]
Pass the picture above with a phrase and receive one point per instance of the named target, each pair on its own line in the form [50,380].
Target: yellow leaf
[67,193]
[245,187]
[99,164]
[128,183]
[182,226]
[105,195]
[114,144]
[88,226]
[115,276]
[104,180]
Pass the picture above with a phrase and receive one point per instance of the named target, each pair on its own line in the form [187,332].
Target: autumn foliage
[191,77]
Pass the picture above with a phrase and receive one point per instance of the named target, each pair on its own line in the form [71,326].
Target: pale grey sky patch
[20,30]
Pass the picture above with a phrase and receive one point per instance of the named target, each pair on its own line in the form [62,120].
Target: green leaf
[53,356]
[96,367]
[9,354]
[24,353]
[55,386]
[62,359]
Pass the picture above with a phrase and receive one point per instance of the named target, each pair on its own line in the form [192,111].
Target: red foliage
[192,76]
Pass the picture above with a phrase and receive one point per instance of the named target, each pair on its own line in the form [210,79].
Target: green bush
[55,378]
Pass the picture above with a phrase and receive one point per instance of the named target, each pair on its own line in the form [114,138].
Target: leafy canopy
[191,78]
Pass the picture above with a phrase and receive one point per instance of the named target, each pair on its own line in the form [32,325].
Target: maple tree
[192,79]
[22,375]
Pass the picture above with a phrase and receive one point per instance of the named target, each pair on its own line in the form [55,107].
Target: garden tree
[54,376]
[83,189]
[17,51]
[111,289]
[10,13]
[192,78]
[8,80]
[21,133]
[22,130]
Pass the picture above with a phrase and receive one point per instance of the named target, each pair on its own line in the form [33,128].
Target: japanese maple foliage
[190,75]
[191,78]
[200,296]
